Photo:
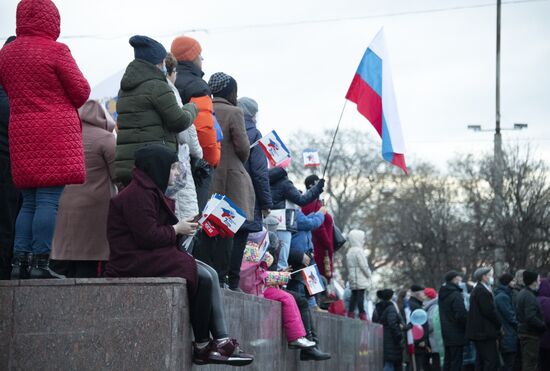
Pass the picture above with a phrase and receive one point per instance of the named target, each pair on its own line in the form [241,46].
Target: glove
[200,170]
[321,184]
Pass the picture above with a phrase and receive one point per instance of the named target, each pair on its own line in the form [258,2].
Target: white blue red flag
[274,148]
[372,91]
[410,338]
[221,216]
[311,158]
[312,279]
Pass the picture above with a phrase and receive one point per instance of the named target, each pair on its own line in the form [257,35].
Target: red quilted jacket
[45,88]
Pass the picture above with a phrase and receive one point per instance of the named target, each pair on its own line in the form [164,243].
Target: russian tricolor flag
[372,91]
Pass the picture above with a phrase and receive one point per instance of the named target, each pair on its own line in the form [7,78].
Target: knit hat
[430,293]
[480,272]
[385,294]
[417,288]
[450,275]
[185,49]
[218,82]
[148,49]
[529,277]
[249,106]
[505,279]
[310,181]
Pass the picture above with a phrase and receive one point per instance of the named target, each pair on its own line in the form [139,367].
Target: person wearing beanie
[435,338]
[531,321]
[230,178]
[359,272]
[507,315]
[453,317]
[192,88]
[421,345]
[256,167]
[143,233]
[9,195]
[386,314]
[42,79]
[148,111]
[484,326]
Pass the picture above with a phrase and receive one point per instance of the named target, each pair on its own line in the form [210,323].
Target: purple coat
[544,300]
[142,241]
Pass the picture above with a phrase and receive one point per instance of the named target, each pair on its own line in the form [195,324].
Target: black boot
[313,354]
[41,268]
[21,265]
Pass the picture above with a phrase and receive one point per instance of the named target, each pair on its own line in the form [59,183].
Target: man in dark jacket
[420,345]
[256,166]
[148,111]
[531,322]
[484,327]
[9,195]
[385,313]
[193,88]
[283,190]
[507,315]
[453,315]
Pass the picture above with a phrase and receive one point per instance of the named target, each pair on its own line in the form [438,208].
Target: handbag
[338,237]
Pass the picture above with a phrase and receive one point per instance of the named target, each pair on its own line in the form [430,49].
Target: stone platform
[143,324]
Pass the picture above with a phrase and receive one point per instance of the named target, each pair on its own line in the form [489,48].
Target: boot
[363,317]
[40,268]
[313,354]
[351,314]
[21,265]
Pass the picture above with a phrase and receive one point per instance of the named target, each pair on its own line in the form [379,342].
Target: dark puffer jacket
[4,121]
[283,189]
[256,166]
[483,322]
[507,315]
[453,315]
[148,113]
[386,314]
[531,321]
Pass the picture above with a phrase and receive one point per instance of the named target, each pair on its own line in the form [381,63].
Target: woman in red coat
[143,233]
[45,88]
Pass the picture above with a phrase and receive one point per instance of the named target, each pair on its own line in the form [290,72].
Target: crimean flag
[221,217]
[274,148]
[311,158]
[312,279]
[372,91]
[410,339]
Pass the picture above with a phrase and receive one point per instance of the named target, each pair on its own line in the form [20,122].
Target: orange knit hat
[185,48]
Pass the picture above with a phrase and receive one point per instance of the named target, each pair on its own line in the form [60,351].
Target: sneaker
[200,355]
[228,352]
[301,343]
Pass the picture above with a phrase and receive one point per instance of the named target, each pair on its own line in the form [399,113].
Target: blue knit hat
[148,49]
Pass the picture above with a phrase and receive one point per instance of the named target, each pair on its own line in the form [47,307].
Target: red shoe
[200,355]
[363,317]
[228,352]
[351,314]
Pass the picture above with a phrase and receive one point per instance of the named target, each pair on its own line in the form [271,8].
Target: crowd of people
[85,196]
[484,324]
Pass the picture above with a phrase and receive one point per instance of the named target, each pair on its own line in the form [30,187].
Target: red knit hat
[185,48]
[430,293]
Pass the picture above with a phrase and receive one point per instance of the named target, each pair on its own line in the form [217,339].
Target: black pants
[215,252]
[509,360]
[202,188]
[357,300]
[420,360]
[10,203]
[206,306]
[453,358]
[487,355]
[78,268]
[237,251]
[530,347]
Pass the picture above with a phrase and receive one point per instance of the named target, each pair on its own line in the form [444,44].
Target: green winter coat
[148,113]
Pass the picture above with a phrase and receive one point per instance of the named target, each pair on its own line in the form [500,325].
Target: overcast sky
[443,62]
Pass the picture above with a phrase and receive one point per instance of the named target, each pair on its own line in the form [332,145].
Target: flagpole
[334,138]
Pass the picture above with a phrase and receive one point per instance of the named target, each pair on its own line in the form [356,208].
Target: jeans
[285,237]
[35,223]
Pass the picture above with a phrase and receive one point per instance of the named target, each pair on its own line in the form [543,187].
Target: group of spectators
[83,196]
[483,325]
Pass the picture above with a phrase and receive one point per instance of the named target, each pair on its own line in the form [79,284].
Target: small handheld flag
[311,158]
[312,279]
[274,148]
[221,216]
[372,90]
